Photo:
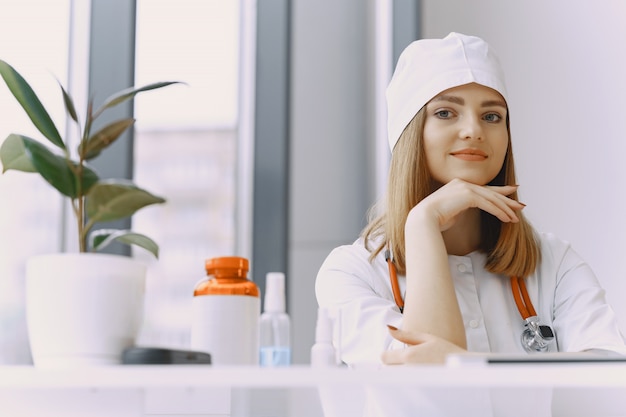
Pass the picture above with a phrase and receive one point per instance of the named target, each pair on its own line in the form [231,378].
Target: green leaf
[69,103]
[13,155]
[100,239]
[29,101]
[113,200]
[129,93]
[104,137]
[54,168]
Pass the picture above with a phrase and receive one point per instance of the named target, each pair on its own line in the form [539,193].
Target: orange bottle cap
[226,262]
[229,274]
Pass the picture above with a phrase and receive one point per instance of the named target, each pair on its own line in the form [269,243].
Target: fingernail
[522,203]
[392,327]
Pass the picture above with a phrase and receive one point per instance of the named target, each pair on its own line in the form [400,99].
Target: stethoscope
[536,337]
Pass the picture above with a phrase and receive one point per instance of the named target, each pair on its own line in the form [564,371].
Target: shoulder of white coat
[352,256]
[552,246]
[347,263]
[557,255]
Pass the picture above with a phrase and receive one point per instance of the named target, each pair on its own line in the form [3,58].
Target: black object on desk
[163,356]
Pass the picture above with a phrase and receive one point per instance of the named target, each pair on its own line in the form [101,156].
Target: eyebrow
[461,101]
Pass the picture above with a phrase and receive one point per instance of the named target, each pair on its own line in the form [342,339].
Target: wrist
[420,219]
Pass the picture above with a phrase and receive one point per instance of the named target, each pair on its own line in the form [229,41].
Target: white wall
[566,73]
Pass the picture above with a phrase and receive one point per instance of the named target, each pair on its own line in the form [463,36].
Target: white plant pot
[83,308]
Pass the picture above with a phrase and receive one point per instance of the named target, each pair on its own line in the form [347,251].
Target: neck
[464,236]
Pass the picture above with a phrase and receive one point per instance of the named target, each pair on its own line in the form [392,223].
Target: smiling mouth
[470,155]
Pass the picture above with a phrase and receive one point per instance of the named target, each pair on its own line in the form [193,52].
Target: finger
[505,190]
[498,204]
[510,206]
[393,357]
[502,211]
[414,355]
[410,338]
[420,348]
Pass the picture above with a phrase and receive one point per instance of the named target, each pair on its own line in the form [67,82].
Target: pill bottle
[225,313]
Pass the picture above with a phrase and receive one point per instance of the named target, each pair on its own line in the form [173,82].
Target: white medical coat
[563,289]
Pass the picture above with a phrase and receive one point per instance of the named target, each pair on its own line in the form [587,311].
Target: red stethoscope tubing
[518,287]
[395,286]
[520,294]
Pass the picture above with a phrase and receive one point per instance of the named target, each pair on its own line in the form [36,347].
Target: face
[465,134]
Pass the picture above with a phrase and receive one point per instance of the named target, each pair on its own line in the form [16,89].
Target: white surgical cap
[429,66]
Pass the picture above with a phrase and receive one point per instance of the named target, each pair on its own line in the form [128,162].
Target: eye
[443,114]
[492,117]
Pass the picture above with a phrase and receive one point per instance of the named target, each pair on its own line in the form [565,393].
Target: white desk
[589,390]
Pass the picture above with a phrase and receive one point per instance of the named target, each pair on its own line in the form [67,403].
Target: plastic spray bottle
[323,353]
[275,324]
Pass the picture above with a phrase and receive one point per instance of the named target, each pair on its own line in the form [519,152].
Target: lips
[470,154]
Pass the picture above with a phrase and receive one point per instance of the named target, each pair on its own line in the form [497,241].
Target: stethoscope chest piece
[536,337]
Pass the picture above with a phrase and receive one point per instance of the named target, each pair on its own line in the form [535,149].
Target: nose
[470,128]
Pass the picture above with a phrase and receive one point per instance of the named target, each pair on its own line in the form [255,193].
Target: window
[185,150]
[30,209]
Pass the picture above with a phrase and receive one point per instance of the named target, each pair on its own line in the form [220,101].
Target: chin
[478,178]
[472,180]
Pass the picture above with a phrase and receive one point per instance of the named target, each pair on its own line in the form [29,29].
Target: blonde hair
[512,248]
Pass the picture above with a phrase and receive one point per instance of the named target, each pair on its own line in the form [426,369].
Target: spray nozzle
[274,292]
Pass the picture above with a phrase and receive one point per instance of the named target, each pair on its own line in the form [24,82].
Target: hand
[455,197]
[423,348]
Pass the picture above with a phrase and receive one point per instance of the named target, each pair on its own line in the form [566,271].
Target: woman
[452,234]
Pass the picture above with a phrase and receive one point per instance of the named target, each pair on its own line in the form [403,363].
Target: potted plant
[65,290]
